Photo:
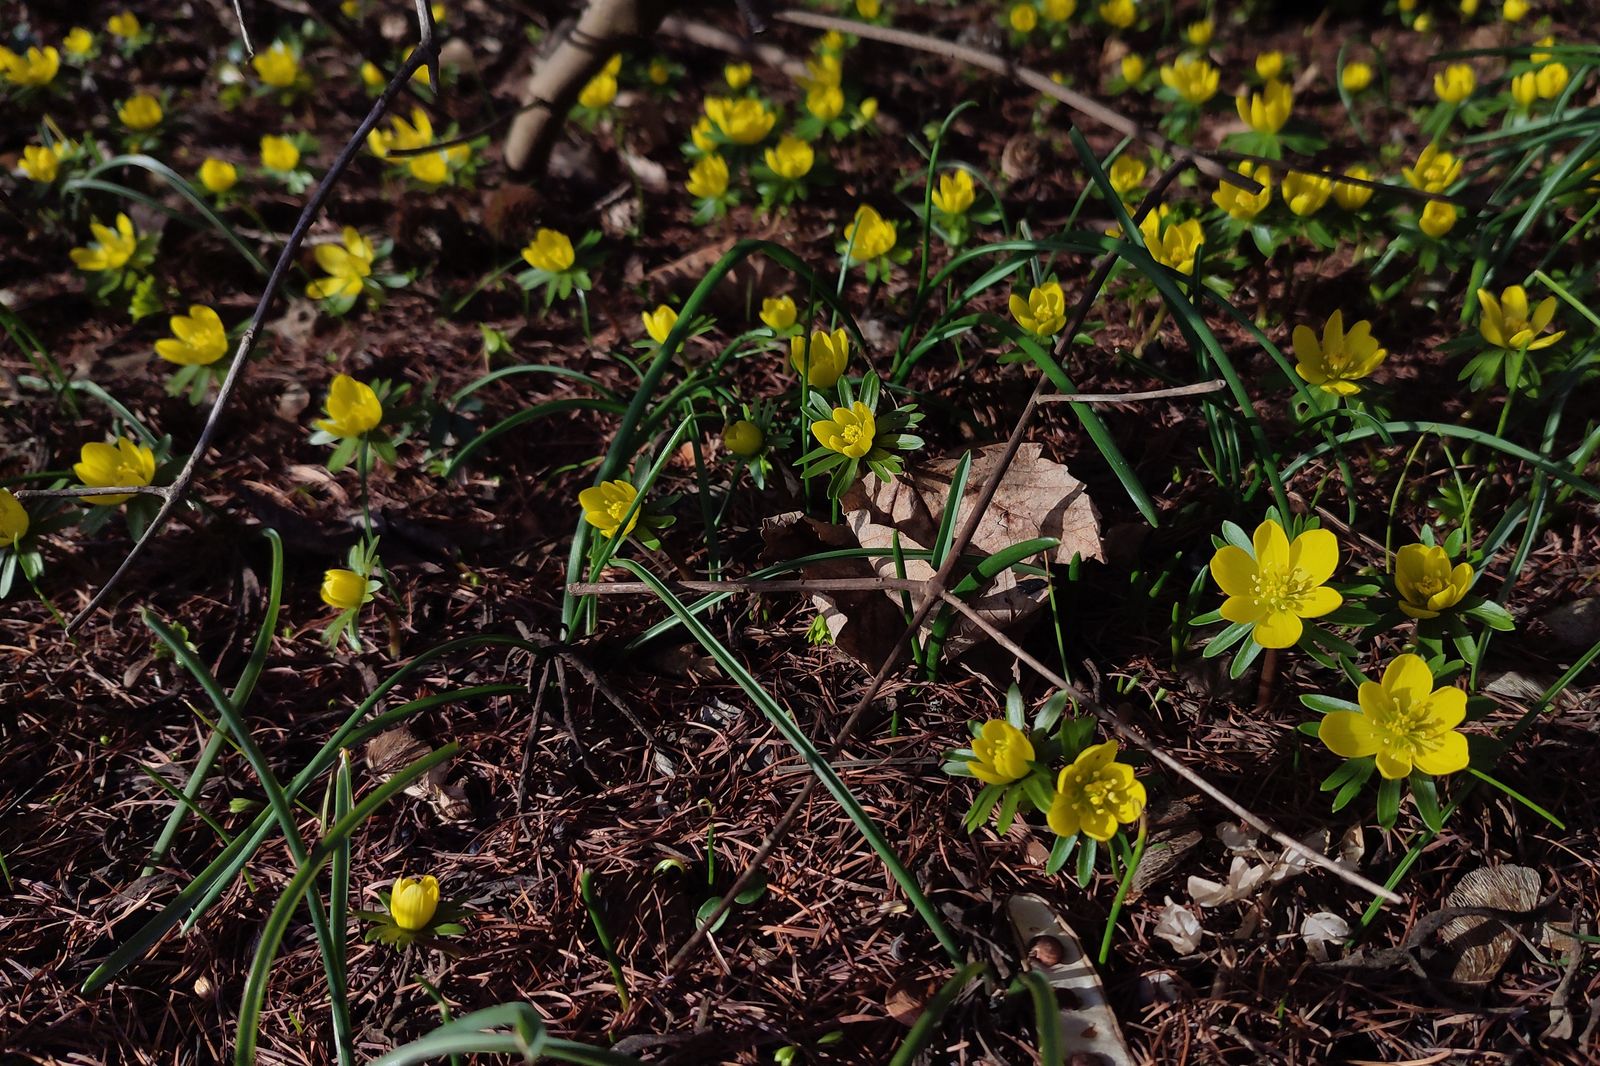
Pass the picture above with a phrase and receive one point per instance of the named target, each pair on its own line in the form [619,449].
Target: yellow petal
[1278,630]
[1393,764]
[1318,601]
[1409,674]
[1271,545]
[1447,708]
[1316,551]
[1348,734]
[1449,756]
[1233,570]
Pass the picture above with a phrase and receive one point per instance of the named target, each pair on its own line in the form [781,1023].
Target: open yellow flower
[822,360]
[743,121]
[1095,794]
[34,68]
[1438,218]
[1126,173]
[198,338]
[1506,322]
[40,163]
[1023,17]
[1044,312]
[1454,83]
[1355,77]
[1427,582]
[868,235]
[1003,753]
[708,178]
[140,112]
[279,153]
[849,432]
[413,901]
[1404,721]
[1340,359]
[1175,246]
[352,408]
[125,24]
[659,323]
[110,249]
[778,312]
[1242,205]
[13,519]
[1306,194]
[954,193]
[103,466]
[344,590]
[1118,13]
[605,504]
[348,265]
[1434,171]
[1193,78]
[277,66]
[1267,110]
[1278,584]
[743,438]
[825,102]
[1350,196]
[791,159]
[550,251]
[218,175]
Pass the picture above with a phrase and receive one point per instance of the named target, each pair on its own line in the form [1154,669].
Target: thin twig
[1120,726]
[1201,389]
[824,584]
[244,31]
[98,490]
[425,52]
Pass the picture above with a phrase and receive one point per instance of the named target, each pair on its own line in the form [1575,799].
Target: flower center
[1404,726]
[1431,586]
[1282,588]
[849,434]
[617,510]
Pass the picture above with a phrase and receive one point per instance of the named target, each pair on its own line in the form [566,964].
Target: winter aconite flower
[1175,246]
[778,312]
[868,235]
[1126,173]
[708,178]
[822,360]
[1306,194]
[1350,196]
[1095,794]
[40,162]
[352,408]
[1551,79]
[1404,721]
[125,24]
[1194,79]
[33,69]
[140,112]
[198,338]
[825,102]
[1242,205]
[742,121]
[279,153]
[1277,584]
[1023,17]
[1199,33]
[1340,359]
[743,438]
[1506,322]
[791,159]
[599,91]
[1438,218]
[1454,83]
[550,251]
[849,432]
[1044,313]
[277,66]
[659,323]
[737,75]
[604,506]
[1514,10]
[218,175]
[1132,67]
[413,901]
[78,42]
[1058,10]
[1434,171]
[1118,13]
[348,264]
[1427,582]
[344,590]
[110,249]
[954,193]
[108,465]
[1267,110]
[1355,77]
[13,519]
[1269,65]
[1003,753]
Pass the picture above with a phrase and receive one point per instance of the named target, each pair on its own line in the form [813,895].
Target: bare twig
[244,31]
[1202,389]
[425,52]
[163,491]
[824,584]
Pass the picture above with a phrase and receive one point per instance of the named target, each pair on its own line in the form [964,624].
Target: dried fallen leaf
[1180,927]
[1481,946]
[392,750]
[1089,1029]
[1321,929]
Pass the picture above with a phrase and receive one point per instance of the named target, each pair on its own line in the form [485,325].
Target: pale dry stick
[936,584]
[179,489]
[1204,388]
[1171,762]
[755,585]
[101,490]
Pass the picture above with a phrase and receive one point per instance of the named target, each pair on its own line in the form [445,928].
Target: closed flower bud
[743,438]
[659,323]
[344,590]
[13,519]
[412,902]
[778,312]
[218,176]
[1437,218]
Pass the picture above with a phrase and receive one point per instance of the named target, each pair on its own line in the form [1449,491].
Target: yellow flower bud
[550,251]
[344,590]
[778,312]
[659,323]
[1023,18]
[1355,77]
[743,438]
[140,112]
[1437,218]
[737,75]
[218,176]
[412,902]
[279,153]
[1353,197]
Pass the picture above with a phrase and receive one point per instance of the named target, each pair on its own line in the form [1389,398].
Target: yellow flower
[1118,13]
[348,265]
[1427,582]
[849,432]
[1455,83]
[791,159]
[1243,205]
[35,68]
[869,235]
[1044,313]
[372,77]
[600,91]
[1198,34]
[277,66]
[868,9]
[107,465]
[708,178]
[825,69]
[344,590]
[1306,194]
[40,163]
[110,249]
[659,323]
[1469,8]
[1434,171]
[1514,10]
[352,408]
[79,42]
[1269,65]
[1177,246]
[1193,78]
[1341,358]
[822,360]
[737,75]
[955,192]
[1268,110]
[550,251]
[1551,79]
[832,41]
[198,338]
[140,112]
[1355,77]
[218,175]
[700,134]
[1525,89]
[123,25]
[406,136]
[868,109]
[1058,10]
[1544,42]
[743,121]
[1003,753]
[605,504]
[1507,324]
[412,902]
[1278,584]
[1023,17]
[743,438]
[1094,794]
[279,153]
[658,72]
[13,519]
[1437,218]
[1353,197]
[1423,22]
[778,312]
[1404,721]
[825,102]
[1126,174]
[1132,68]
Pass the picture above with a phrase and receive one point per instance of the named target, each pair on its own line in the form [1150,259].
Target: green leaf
[1426,797]
[1388,802]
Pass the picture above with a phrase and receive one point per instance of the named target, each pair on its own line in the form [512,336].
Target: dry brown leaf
[392,750]
[1089,1026]
[1482,945]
